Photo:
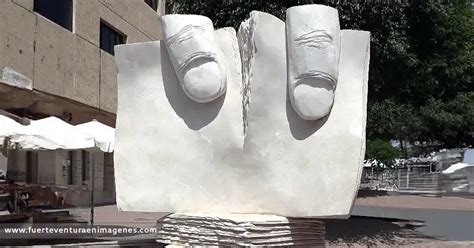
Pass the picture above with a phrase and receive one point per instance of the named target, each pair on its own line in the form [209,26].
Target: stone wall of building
[78,77]
[52,168]
[71,64]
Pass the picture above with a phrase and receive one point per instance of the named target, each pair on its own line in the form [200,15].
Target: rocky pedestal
[239,230]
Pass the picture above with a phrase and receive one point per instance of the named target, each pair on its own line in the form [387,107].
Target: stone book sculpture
[268,120]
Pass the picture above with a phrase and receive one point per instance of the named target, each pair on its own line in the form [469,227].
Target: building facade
[62,51]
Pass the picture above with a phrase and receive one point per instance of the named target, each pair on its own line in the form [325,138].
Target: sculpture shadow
[195,115]
[373,232]
[299,128]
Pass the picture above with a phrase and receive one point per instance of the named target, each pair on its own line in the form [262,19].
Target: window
[109,38]
[58,11]
[153,4]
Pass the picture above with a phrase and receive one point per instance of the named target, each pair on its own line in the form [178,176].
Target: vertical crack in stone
[247,53]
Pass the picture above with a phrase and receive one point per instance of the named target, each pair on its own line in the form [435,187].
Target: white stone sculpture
[248,151]
[195,55]
[313,38]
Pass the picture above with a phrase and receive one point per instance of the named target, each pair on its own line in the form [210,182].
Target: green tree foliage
[421,68]
[382,151]
[391,120]
[453,120]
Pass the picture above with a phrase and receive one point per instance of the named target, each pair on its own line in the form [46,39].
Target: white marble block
[247,151]
[304,168]
[166,143]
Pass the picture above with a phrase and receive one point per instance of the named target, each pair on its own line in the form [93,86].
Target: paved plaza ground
[449,221]
[419,201]
[110,213]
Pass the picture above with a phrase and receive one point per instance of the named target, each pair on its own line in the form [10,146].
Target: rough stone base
[239,230]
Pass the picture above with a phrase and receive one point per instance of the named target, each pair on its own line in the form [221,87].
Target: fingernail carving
[313,48]
[195,55]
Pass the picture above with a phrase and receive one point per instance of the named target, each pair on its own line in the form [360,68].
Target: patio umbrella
[9,127]
[51,133]
[104,136]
